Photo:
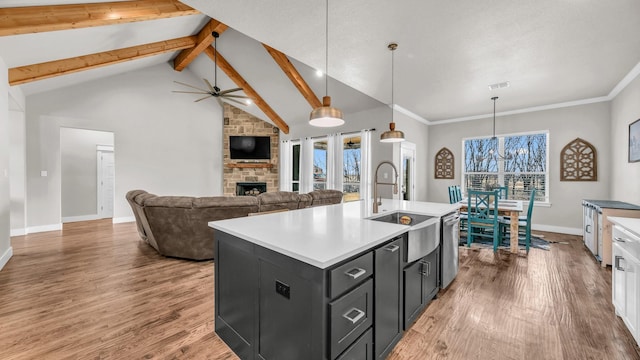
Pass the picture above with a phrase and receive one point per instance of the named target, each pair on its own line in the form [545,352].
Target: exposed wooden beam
[224,65]
[29,73]
[293,75]
[34,19]
[205,39]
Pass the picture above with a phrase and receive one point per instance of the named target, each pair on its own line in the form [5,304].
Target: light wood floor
[96,291]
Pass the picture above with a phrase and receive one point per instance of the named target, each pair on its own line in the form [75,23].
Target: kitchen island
[309,283]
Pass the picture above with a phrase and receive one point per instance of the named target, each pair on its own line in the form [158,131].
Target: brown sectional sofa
[177,226]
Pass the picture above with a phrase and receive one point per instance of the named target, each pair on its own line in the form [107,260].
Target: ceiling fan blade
[230,90]
[193,87]
[209,85]
[206,97]
[190,92]
[235,96]
[232,100]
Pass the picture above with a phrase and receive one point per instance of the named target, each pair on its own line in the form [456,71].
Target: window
[517,161]
[351,165]
[320,164]
[295,164]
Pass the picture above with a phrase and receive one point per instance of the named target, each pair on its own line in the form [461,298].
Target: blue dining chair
[503,192]
[482,220]
[524,224]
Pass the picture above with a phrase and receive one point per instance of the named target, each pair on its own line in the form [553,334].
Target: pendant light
[325,115]
[392,135]
[494,138]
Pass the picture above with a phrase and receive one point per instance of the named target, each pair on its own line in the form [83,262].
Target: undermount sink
[394,218]
[423,233]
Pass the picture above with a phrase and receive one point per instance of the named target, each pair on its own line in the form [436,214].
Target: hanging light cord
[494,115]
[326,60]
[392,71]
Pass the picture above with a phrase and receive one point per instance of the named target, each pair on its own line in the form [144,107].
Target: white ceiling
[551,51]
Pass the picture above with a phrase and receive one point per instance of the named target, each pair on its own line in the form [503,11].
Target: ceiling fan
[350,144]
[214,91]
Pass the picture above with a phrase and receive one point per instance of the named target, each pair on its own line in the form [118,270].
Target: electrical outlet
[283,289]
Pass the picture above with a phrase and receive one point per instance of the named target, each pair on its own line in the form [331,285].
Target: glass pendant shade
[392,135]
[325,115]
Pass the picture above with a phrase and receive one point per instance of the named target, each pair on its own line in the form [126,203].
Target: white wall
[166,144]
[590,122]
[17,170]
[5,242]
[625,176]
[79,171]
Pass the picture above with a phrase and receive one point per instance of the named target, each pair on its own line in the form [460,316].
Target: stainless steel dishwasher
[449,248]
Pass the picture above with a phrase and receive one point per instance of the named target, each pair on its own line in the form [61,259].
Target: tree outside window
[517,161]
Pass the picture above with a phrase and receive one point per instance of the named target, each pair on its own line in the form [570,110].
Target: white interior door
[404,154]
[106,182]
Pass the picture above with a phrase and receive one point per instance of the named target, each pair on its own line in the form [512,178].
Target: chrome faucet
[376,183]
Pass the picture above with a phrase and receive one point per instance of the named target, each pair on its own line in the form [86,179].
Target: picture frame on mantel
[634,141]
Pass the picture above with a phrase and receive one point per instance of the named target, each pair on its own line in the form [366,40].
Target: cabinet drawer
[361,349]
[350,316]
[348,275]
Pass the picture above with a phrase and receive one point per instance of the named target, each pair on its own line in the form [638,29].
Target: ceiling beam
[35,19]
[224,65]
[293,75]
[29,73]
[205,38]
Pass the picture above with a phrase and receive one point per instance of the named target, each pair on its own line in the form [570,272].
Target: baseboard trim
[44,228]
[18,232]
[4,259]
[90,217]
[124,219]
[557,229]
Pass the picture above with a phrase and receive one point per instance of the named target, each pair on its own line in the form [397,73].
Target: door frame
[400,150]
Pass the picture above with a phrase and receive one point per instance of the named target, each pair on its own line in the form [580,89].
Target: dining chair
[503,192]
[458,192]
[452,195]
[524,224]
[482,220]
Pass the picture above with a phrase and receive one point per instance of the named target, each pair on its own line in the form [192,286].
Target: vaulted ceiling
[449,52]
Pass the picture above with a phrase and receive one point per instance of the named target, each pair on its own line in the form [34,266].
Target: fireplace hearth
[250,188]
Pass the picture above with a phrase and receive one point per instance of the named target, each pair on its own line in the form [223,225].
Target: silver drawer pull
[392,248]
[618,239]
[355,273]
[359,314]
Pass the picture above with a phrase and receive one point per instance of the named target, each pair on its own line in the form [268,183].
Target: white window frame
[501,172]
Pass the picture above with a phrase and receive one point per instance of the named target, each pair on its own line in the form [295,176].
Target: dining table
[510,208]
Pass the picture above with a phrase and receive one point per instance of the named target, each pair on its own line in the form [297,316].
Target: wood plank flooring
[96,291]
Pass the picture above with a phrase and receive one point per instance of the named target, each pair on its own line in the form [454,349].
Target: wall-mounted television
[249,147]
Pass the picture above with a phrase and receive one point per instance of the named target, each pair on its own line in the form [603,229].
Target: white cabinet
[625,283]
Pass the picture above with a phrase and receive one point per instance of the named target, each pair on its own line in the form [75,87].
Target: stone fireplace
[264,172]
[250,188]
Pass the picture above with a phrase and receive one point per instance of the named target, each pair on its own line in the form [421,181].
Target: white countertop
[325,235]
[633,225]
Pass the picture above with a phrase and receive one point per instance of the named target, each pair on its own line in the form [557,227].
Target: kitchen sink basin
[423,233]
[396,216]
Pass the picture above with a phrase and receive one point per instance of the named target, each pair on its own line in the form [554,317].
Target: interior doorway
[404,153]
[106,181]
[87,174]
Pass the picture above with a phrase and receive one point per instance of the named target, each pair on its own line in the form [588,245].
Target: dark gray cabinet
[269,306]
[362,349]
[388,295]
[420,281]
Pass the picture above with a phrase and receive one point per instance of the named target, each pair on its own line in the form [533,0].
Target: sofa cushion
[185,202]
[278,200]
[305,201]
[326,197]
